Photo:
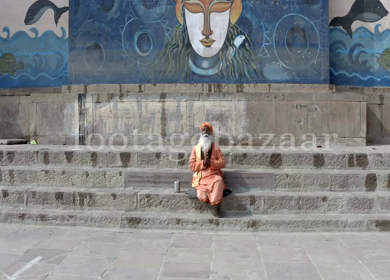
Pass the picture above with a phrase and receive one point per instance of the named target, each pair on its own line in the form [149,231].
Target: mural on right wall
[359,42]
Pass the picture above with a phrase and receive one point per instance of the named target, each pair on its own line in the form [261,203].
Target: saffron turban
[208,125]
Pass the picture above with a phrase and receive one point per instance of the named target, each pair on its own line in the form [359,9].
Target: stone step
[70,198]
[358,158]
[270,203]
[203,222]
[13,141]
[285,179]
[159,201]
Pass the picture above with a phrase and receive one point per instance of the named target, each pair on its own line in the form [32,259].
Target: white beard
[206,143]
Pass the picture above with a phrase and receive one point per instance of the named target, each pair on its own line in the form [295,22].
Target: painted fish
[36,11]
[363,10]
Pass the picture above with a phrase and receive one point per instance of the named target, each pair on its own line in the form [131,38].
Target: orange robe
[211,185]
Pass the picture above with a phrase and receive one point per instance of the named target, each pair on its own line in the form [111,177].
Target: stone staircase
[344,189]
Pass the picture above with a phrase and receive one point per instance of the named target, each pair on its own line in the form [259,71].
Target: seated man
[207,161]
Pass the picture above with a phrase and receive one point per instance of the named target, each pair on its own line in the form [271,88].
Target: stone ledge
[64,156]
[320,91]
[120,219]
[104,97]
[70,199]
[29,91]
[285,180]
[4,100]
[12,142]
[196,88]
[302,88]
[61,218]
[165,201]
[53,98]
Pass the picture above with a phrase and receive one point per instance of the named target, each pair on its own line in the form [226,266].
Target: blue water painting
[33,61]
[354,61]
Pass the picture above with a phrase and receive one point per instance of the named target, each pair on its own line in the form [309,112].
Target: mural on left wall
[34,50]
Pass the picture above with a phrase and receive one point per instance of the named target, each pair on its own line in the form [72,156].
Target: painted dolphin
[37,9]
[363,10]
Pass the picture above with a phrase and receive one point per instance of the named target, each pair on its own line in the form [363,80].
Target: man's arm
[220,161]
[195,165]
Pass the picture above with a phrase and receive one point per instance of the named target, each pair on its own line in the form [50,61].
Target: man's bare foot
[216,211]
[219,211]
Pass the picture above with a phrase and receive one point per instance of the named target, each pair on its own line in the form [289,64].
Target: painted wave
[354,61]
[45,58]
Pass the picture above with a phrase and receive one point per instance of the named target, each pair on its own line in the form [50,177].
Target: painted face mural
[209,42]
[198,41]
[208,24]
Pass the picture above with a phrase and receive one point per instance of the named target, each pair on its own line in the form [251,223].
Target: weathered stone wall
[170,110]
[378,115]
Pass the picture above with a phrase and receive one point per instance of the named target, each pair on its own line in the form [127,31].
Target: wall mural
[360,43]
[198,41]
[37,9]
[33,53]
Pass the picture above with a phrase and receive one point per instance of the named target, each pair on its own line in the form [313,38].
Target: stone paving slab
[68,277]
[173,255]
[84,266]
[292,271]
[159,245]
[347,275]
[103,250]
[130,274]
[379,269]
[189,255]
[59,243]
[238,274]
[183,270]
[37,272]
[49,256]
[7,258]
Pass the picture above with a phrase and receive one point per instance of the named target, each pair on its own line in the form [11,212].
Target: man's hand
[206,161]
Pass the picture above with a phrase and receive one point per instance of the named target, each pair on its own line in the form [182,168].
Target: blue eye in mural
[36,11]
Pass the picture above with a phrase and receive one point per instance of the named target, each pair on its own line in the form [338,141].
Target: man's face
[205,131]
[207,23]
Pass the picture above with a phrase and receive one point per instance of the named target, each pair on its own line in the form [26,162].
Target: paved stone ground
[49,253]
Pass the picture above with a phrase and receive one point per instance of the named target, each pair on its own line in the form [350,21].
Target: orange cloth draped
[211,184]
